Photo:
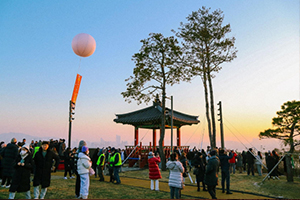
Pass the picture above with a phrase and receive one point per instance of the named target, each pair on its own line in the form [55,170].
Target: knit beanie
[84,149]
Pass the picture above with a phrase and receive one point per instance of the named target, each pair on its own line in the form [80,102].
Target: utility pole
[71,118]
[171,98]
[221,124]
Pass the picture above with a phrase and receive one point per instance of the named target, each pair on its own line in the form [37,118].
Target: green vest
[36,149]
[99,159]
[111,159]
[119,162]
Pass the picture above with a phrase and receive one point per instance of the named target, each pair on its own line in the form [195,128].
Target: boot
[152,185]
[157,185]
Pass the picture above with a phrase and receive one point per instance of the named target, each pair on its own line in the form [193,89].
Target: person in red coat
[232,162]
[154,172]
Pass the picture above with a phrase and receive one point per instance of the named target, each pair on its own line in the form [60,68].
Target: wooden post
[178,137]
[136,135]
[154,140]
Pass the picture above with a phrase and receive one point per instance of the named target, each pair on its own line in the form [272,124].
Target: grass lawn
[64,189]
[244,183]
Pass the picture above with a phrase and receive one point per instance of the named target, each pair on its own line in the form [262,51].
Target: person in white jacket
[84,163]
[175,178]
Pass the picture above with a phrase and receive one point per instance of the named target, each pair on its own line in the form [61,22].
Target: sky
[38,67]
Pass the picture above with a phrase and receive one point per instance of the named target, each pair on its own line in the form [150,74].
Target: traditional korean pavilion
[150,118]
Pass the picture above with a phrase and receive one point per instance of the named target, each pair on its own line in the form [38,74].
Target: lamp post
[71,118]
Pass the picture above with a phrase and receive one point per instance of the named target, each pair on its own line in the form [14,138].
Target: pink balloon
[83,45]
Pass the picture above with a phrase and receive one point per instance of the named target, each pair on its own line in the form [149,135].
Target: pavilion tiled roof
[151,116]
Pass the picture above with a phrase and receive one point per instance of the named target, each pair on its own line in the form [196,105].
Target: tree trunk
[212,110]
[162,136]
[289,169]
[207,107]
[291,138]
[163,122]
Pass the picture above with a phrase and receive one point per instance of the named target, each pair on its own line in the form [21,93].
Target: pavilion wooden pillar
[136,135]
[178,137]
[154,139]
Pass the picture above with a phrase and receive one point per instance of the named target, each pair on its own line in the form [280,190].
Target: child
[21,177]
[84,163]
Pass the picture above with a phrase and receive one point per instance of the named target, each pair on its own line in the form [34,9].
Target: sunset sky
[38,67]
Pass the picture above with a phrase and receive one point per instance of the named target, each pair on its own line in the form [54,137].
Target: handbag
[91,171]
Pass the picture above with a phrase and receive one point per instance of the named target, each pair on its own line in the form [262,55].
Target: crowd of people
[18,160]
[206,165]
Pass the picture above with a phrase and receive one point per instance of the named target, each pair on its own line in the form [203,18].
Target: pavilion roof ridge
[136,111]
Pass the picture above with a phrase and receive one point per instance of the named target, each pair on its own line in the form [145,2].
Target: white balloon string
[79,65]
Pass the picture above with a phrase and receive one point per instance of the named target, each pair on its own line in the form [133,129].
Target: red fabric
[154,172]
[232,160]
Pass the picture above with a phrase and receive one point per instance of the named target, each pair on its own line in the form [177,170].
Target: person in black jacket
[21,178]
[67,163]
[244,155]
[211,174]
[43,160]
[199,170]
[184,163]
[94,160]
[271,162]
[2,147]
[190,156]
[224,161]
[8,162]
[250,162]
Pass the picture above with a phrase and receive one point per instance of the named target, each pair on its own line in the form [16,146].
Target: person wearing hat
[84,163]
[43,161]
[154,172]
[21,177]
[9,156]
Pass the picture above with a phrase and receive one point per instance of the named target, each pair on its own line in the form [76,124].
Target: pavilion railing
[140,154]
